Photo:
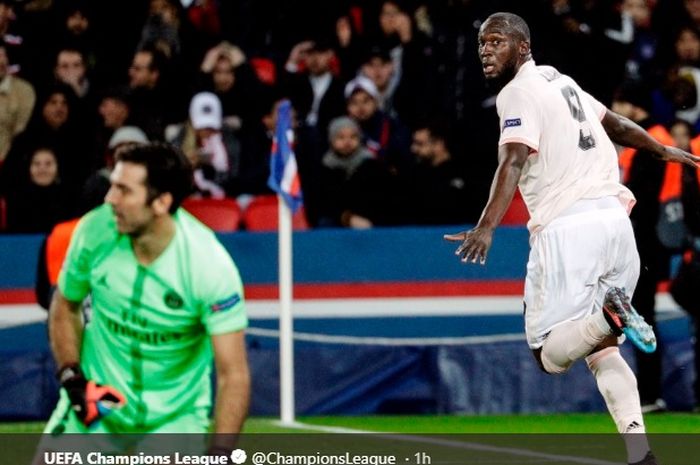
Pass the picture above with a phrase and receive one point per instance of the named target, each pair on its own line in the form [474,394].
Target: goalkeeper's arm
[90,401]
[233,388]
[65,329]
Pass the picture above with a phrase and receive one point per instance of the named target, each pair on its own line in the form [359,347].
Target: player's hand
[90,401]
[677,155]
[475,244]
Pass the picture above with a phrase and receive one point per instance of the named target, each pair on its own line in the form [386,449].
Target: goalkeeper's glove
[90,401]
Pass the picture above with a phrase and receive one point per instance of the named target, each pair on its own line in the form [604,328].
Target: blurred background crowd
[394,123]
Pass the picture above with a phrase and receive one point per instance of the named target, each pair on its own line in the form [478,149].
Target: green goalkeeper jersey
[149,334]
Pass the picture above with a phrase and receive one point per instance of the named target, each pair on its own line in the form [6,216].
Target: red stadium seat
[265,70]
[262,215]
[223,215]
[517,214]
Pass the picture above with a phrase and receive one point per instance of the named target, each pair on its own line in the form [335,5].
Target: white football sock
[618,385]
[572,341]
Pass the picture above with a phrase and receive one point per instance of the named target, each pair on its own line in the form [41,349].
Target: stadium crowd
[394,122]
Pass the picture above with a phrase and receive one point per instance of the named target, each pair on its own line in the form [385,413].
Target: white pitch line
[448,443]
[389,341]
[372,307]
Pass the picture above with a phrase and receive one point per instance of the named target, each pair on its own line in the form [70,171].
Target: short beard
[499,82]
[138,231]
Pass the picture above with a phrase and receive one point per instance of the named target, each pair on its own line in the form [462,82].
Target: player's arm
[233,387]
[626,132]
[90,401]
[65,329]
[476,242]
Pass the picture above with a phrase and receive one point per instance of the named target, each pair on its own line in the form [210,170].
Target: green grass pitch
[595,423]
[559,439]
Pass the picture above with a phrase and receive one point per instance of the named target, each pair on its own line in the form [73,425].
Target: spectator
[115,108]
[350,42]
[677,96]
[17,99]
[437,190]
[70,69]
[396,28]
[316,94]
[162,28]
[687,47]
[213,149]
[357,191]
[52,125]
[404,98]
[686,95]
[226,73]
[153,106]
[146,69]
[168,29]
[39,200]
[66,25]
[640,62]
[114,112]
[379,68]
[123,136]
[416,75]
[692,10]
[383,135]
[256,143]
[75,29]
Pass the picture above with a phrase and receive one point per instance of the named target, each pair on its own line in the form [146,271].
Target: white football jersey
[572,157]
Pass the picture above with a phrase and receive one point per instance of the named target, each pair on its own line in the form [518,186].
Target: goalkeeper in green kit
[166,300]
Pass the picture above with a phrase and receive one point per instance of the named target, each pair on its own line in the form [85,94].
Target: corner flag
[284,177]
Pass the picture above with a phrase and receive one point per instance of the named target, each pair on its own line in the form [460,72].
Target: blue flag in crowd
[284,177]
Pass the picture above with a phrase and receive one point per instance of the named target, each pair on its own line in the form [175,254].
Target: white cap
[205,111]
[361,83]
[127,134]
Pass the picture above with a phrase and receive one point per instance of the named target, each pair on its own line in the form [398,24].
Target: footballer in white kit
[573,260]
[556,145]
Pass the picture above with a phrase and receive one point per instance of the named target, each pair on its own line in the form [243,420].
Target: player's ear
[524,48]
[161,204]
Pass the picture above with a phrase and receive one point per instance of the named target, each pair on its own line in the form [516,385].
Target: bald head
[510,24]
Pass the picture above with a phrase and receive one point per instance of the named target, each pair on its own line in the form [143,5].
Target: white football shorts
[573,261]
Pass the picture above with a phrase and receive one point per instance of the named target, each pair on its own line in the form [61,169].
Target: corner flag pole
[284,179]
[287,410]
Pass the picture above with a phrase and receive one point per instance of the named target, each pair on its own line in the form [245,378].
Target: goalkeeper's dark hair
[167,168]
